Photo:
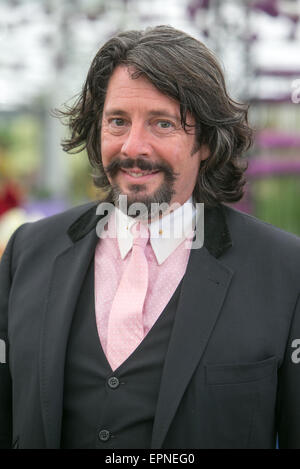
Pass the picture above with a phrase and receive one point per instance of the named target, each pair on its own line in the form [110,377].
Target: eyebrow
[152,113]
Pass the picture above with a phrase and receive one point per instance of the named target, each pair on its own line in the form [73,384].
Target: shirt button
[113,382]
[104,435]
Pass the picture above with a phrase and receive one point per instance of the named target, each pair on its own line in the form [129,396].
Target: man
[118,341]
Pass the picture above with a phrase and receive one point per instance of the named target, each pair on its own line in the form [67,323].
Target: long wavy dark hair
[183,68]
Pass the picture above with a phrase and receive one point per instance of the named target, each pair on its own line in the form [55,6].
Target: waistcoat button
[113,382]
[104,435]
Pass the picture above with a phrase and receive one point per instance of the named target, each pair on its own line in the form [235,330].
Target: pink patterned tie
[125,325]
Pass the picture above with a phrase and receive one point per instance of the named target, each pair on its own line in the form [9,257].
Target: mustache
[140,163]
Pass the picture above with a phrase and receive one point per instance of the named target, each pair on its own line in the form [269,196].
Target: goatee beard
[148,204]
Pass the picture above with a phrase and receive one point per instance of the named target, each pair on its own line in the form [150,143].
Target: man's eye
[164,124]
[117,122]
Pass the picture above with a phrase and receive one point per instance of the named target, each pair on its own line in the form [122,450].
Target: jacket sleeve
[5,378]
[288,410]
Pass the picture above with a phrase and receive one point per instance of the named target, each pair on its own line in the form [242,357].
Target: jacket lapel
[68,272]
[203,291]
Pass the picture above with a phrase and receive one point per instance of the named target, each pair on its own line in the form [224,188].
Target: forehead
[124,90]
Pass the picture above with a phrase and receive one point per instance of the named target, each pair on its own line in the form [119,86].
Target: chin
[140,193]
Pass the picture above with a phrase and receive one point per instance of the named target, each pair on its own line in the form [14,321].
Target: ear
[204,152]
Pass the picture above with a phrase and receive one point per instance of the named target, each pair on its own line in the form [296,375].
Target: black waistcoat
[105,409]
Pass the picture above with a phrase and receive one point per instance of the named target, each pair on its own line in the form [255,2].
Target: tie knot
[140,234]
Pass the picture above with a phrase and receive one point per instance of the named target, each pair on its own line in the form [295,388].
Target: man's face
[146,153]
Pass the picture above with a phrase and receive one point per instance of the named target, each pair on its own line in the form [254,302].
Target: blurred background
[46,47]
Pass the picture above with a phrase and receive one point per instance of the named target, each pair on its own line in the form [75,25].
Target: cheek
[181,160]
[109,147]
[188,170]
[173,154]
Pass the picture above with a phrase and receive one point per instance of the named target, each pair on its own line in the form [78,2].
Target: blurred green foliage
[19,144]
[276,201]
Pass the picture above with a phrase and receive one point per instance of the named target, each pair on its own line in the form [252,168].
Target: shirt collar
[166,233]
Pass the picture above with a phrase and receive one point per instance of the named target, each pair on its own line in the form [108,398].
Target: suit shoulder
[246,227]
[51,228]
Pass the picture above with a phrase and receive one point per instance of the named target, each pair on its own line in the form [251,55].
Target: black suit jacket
[231,377]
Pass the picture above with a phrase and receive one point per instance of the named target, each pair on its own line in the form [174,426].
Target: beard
[140,205]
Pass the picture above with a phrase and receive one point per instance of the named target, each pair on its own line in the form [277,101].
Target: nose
[136,142]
